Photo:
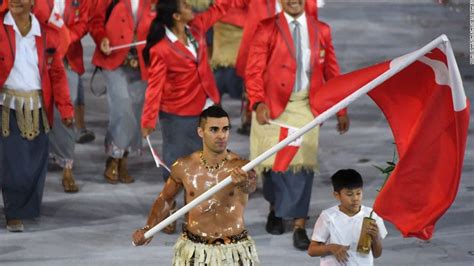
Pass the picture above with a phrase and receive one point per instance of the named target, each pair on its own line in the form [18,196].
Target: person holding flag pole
[214,231]
[116,23]
[181,83]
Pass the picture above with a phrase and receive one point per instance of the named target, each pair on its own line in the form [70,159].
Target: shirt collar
[35,27]
[171,34]
[301,19]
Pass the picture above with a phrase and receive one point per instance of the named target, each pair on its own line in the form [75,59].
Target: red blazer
[120,29]
[53,76]
[259,10]
[75,18]
[178,82]
[271,67]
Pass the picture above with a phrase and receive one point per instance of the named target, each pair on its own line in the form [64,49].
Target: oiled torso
[223,213]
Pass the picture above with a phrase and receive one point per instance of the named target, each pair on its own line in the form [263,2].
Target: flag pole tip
[444,38]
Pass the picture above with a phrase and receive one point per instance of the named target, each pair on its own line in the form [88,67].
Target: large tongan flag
[422,96]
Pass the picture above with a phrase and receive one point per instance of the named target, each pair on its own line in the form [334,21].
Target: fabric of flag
[284,157]
[157,158]
[426,107]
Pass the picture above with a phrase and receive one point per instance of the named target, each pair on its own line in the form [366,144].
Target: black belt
[216,241]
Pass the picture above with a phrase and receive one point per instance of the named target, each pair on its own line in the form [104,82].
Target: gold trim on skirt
[27,114]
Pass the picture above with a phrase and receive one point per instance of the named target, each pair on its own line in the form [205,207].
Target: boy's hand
[340,252]
[373,230]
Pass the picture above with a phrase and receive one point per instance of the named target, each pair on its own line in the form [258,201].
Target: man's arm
[160,209]
[154,91]
[331,70]
[258,54]
[163,204]
[97,24]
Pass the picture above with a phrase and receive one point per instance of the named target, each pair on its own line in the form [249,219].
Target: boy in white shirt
[337,230]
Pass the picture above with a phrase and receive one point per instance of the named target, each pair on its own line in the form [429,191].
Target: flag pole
[113,48]
[401,63]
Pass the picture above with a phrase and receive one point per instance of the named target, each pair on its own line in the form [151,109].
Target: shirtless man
[218,222]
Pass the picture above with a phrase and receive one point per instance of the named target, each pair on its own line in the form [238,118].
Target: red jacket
[120,29]
[271,67]
[259,10]
[53,76]
[4,6]
[178,82]
[75,18]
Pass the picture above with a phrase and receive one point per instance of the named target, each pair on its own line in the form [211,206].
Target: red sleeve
[207,19]
[311,8]
[257,58]
[97,19]
[79,29]
[154,91]
[60,87]
[331,67]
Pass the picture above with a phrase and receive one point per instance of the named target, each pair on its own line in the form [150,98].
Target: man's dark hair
[346,178]
[214,111]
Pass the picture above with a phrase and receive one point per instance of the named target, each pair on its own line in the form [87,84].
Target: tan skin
[222,214]
[20,10]
[350,205]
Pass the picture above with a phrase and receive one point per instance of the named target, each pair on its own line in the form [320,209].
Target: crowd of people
[272,55]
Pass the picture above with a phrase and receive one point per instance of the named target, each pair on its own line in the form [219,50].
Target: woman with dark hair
[32,81]
[180,82]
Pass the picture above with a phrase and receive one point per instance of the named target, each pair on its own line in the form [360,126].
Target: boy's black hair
[346,178]
[214,111]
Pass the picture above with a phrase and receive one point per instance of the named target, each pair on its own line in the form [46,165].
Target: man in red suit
[257,11]
[32,81]
[115,23]
[290,56]
[74,16]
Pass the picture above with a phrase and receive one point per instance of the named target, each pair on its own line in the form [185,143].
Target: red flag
[284,157]
[428,112]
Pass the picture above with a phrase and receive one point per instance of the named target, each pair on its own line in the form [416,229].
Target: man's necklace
[212,168]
